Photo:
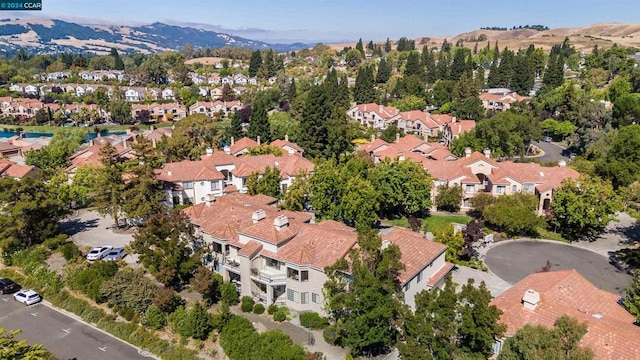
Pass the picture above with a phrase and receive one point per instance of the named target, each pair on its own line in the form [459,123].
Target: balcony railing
[269,276]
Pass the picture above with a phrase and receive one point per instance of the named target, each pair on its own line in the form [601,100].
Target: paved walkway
[298,334]
[495,284]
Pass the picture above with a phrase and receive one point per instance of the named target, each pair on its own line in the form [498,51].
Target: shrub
[229,293]
[167,300]
[330,334]
[154,318]
[247,304]
[89,278]
[129,289]
[280,315]
[195,322]
[70,251]
[128,314]
[56,241]
[313,320]
[258,309]
[272,309]
[21,258]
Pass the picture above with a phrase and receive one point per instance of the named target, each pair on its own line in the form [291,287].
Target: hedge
[313,320]
[129,332]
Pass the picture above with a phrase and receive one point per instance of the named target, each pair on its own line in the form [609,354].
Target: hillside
[49,36]
[583,37]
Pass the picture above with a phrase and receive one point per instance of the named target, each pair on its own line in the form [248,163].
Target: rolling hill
[51,36]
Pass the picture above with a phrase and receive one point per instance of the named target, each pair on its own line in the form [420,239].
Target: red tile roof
[384,112]
[611,333]
[437,277]
[250,249]
[283,143]
[188,171]
[12,169]
[417,251]
[242,144]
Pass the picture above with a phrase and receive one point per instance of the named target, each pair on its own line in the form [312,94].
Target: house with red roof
[500,99]
[374,115]
[541,298]
[278,256]
[15,170]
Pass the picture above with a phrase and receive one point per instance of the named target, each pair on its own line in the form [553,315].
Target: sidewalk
[298,334]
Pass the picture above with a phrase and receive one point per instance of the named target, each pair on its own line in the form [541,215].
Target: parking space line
[103,348]
[34,314]
[67,330]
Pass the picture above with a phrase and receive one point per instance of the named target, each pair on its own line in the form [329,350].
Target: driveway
[89,229]
[63,336]
[552,152]
[494,284]
[514,260]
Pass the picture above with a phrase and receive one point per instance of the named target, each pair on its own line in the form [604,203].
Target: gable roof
[187,170]
[242,144]
[611,333]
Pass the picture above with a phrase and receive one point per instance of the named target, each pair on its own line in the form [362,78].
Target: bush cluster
[313,320]
[246,304]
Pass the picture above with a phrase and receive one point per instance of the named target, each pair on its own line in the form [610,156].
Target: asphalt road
[515,260]
[63,336]
[552,152]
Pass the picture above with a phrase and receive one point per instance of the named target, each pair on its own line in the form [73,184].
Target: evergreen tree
[255,63]
[292,91]
[413,66]
[235,129]
[259,120]
[143,193]
[313,130]
[429,65]
[364,89]
[505,69]
[109,200]
[494,78]
[442,67]
[370,45]
[459,64]
[384,71]
[524,73]
[554,74]
[118,64]
[360,47]
[387,46]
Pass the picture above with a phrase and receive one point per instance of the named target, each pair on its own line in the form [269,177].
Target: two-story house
[190,182]
[374,115]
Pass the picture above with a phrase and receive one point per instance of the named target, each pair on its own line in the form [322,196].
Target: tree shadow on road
[75,226]
[631,233]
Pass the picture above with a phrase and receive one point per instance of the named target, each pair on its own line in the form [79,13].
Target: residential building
[16,171]
[499,99]
[541,298]
[160,112]
[191,182]
[455,128]
[373,115]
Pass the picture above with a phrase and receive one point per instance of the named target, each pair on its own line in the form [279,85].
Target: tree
[255,63]
[143,193]
[366,310]
[235,129]
[452,240]
[207,284]
[118,64]
[626,110]
[404,188]
[621,163]
[410,102]
[154,70]
[515,214]
[480,202]
[12,349]
[360,203]
[267,184]
[508,133]
[360,47]
[364,89]
[259,121]
[353,58]
[537,342]
[384,71]
[108,199]
[191,137]
[120,111]
[168,248]
[129,289]
[582,208]
[631,300]
[30,213]
[283,125]
[63,143]
[449,198]
[387,46]
[229,293]
[413,67]
[196,323]
[554,74]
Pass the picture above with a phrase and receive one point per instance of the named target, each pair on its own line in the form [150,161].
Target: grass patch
[432,222]
[550,235]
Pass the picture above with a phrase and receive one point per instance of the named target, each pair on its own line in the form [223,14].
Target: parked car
[27,297]
[98,253]
[546,139]
[7,286]
[115,254]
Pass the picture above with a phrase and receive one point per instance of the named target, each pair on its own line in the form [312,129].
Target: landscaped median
[37,276]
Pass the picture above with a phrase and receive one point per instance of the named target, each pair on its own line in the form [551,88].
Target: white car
[98,253]
[115,254]
[27,297]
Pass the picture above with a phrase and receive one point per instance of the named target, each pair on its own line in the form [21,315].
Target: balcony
[269,276]
[231,264]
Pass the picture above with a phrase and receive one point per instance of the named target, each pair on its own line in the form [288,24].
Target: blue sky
[345,20]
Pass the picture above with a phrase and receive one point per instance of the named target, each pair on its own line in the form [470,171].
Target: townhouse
[15,170]
[475,172]
[210,108]
[373,115]
[278,256]
[219,173]
[160,112]
[499,99]
[541,298]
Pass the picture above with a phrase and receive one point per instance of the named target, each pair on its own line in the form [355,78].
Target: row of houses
[475,172]
[279,256]
[231,80]
[25,108]
[210,108]
[421,123]
[88,75]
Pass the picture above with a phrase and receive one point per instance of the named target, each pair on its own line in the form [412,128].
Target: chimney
[169,173]
[467,152]
[286,137]
[227,150]
[385,244]
[454,119]
[291,152]
[208,199]
[281,222]
[209,151]
[373,138]
[258,139]
[487,153]
[562,163]
[154,143]
[233,141]
[91,142]
[397,137]
[258,215]
[531,299]
[401,157]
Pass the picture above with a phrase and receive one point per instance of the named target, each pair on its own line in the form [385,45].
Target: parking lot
[89,229]
[62,335]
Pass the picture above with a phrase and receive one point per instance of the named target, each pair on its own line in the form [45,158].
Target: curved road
[552,152]
[515,260]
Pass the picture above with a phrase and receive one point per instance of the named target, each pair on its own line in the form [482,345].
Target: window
[315,298]
[272,263]
[293,274]
[469,188]
[528,187]
[187,185]
[466,203]
[500,189]
[407,286]
[305,298]
[514,188]
[215,185]
[293,296]
[419,277]
[304,275]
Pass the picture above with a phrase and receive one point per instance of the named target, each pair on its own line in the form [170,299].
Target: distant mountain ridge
[40,36]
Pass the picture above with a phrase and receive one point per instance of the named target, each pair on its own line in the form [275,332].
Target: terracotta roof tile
[435,278]
[189,171]
[250,249]
[242,144]
[417,251]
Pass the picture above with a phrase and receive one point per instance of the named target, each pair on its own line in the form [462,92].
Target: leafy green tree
[267,184]
[626,110]
[508,133]
[154,318]
[297,195]
[206,283]
[621,164]
[265,149]
[12,349]
[196,323]
[129,289]
[55,155]
[255,63]
[353,58]
[389,134]
[30,213]
[538,342]
[631,300]
[360,203]
[404,188]
[410,102]
[191,137]
[120,111]
[108,199]
[259,121]
[366,310]
[229,293]
[282,124]
[90,279]
[515,214]
[449,198]
[582,208]
[167,299]
[618,87]
[480,322]
[166,247]
[452,240]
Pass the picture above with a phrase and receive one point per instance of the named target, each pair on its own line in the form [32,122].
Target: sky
[339,21]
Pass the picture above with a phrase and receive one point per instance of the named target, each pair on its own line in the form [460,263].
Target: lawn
[432,222]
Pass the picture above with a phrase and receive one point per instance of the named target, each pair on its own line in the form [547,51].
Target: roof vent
[209,151]
[281,222]
[598,316]
[385,244]
[169,173]
[531,299]
[258,215]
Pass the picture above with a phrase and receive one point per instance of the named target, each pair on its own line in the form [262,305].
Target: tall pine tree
[259,120]
[360,47]
[364,91]
[255,63]
[384,71]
